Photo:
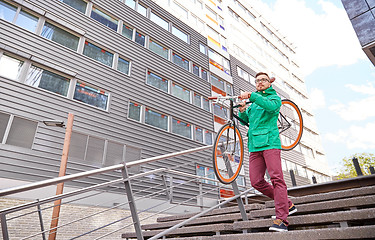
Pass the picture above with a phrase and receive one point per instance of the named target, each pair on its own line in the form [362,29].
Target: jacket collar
[268,91]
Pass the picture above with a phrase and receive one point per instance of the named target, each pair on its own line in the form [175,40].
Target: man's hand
[243,107]
[245,95]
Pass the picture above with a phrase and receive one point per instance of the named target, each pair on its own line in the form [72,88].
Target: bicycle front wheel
[228,153]
[290,124]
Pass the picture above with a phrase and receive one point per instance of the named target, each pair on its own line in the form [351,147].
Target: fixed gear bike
[228,148]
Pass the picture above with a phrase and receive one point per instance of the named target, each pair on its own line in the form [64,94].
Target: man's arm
[269,104]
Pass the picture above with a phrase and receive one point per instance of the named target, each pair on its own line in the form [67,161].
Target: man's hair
[261,73]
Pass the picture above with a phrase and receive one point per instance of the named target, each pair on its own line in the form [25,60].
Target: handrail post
[4,227]
[41,220]
[133,209]
[168,196]
[201,195]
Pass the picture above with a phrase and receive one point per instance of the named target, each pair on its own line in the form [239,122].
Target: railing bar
[196,216]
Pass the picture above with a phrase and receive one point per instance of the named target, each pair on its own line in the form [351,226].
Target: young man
[265,147]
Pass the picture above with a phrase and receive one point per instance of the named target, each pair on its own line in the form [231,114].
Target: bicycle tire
[290,124]
[220,158]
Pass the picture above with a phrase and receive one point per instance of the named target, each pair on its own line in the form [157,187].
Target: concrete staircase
[338,214]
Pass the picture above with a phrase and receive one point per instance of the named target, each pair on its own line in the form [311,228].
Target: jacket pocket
[260,137]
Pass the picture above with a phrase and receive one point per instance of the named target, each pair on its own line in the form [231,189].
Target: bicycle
[228,148]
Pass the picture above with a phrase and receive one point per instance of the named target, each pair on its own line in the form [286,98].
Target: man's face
[262,82]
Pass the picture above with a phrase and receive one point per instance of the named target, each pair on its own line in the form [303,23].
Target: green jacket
[262,118]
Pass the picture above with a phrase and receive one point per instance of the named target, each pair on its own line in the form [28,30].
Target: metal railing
[162,193]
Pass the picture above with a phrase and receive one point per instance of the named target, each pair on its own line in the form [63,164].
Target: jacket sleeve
[269,104]
[244,116]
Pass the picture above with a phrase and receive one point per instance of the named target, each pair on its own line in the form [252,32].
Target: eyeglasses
[261,80]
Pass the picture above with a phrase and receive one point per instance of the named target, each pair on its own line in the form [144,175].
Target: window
[204,74]
[130,3]
[98,54]
[7,11]
[206,172]
[217,82]
[4,119]
[219,61]
[196,70]
[27,21]
[206,104]
[22,133]
[181,128]
[114,153]
[139,38]
[156,119]
[157,81]
[180,34]
[60,36]
[180,92]
[123,66]
[142,10]
[197,100]
[182,11]
[180,61]
[202,48]
[10,67]
[104,18]
[199,134]
[229,89]
[158,20]
[158,49]
[77,4]
[134,111]
[208,137]
[220,111]
[41,78]
[127,31]
[91,95]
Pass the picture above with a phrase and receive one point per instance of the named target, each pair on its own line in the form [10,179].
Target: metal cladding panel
[36,104]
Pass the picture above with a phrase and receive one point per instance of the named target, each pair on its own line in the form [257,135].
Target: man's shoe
[292,209]
[278,226]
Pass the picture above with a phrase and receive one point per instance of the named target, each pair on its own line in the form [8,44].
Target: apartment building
[137,76]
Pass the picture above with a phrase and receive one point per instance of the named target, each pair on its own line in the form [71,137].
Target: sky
[339,77]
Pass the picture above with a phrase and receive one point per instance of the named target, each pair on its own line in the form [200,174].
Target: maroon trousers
[270,160]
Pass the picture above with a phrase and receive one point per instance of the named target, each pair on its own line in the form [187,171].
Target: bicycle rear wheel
[228,153]
[290,124]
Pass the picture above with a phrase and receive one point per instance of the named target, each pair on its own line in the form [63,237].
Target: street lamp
[63,165]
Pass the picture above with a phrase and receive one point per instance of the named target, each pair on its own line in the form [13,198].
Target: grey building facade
[362,16]
[135,77]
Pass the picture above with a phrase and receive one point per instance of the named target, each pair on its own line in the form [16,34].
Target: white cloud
[355,110]
[318,37]
[317,98]
[355,137]
[365,89]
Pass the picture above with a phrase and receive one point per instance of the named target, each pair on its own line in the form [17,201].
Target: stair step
[227,210]
[361,216]
[361,232]
[329,196]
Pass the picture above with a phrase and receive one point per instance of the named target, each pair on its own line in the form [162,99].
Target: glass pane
[204,75]
[181,128]
[156,119]
[208,138]
[201,172]
[114,153]
[142,10]
[47,80]
[95,151]
[202,48]
[196,70]
[90,95]
[206,104]
[133,154]
[127,31]
[22,133]
[220,111]
[139,38]
[60,36]
[199,134]
[158,20]
[229,90]
[77,147]
[77,4]
[158,49]
[180,92]
[134,111]
[178,33]
[4,118]
[104,18]
[197,100]
[10,67]
[7,11]
[123,66]
[98,54]
[157,81]
[27,21]
[217,82]
[180,61]
[130,3]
